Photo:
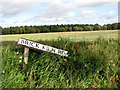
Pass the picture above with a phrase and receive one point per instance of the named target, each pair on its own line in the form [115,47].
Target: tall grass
[89,64]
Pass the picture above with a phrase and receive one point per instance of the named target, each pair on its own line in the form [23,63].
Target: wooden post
[26,53]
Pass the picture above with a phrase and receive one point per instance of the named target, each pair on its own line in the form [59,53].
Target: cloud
[55,8]
[95,17]
[50,19]
[61,7]
[23,1]
[55,11]
[10,9]
[109,16]
[88,12]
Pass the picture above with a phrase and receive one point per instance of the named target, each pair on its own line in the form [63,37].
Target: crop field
[77,36]
[92,64]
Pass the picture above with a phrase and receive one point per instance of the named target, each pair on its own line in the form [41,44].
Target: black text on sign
[35,45]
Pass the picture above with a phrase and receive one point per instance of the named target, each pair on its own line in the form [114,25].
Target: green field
[76,36]
[92,64]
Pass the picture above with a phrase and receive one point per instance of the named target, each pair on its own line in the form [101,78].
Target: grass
[75,36]
[89,65]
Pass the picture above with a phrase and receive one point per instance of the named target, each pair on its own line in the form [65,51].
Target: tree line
[58,28]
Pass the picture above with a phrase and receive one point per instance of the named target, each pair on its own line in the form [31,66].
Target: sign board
[35,45]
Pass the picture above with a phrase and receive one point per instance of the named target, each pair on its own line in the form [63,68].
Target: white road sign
[35,45]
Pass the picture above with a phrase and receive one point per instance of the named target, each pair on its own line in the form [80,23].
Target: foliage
[58,28]
[97,27]
[104,27]
[89,65]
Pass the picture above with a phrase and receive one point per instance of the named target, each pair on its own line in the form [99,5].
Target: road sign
[35,45]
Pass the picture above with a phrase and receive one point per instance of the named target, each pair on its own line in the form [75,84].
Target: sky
[52,12]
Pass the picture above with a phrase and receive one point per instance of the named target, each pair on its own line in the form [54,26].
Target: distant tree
[58,28]
[53,28]
[16,31]
[104,27]
[75,28]
[80,29]
[37,30]
[69,28]
[66,28]
[109,27]
[118,25]
[61,29]
[114,26]
[97,27]
[6,31]
[21,30]
[88,28]
[27,30]
[45,29]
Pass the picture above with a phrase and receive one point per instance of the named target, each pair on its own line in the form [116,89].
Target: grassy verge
[90,64]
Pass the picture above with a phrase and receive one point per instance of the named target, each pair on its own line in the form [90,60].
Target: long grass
[89,65]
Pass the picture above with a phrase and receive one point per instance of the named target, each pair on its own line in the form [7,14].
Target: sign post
[26,53]
[34,45]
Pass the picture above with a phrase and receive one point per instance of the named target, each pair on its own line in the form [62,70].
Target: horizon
[56,24]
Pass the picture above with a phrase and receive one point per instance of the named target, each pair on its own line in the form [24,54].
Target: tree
[66,28]
[88,28]
[80,29]
[109,27]
[58,28]
[6,31]
[75,28]
[61,29]
[119,25]
[45,29]
[114,26]
[97,27]
[37,30]
[104,27]
[16,31]
[69,28]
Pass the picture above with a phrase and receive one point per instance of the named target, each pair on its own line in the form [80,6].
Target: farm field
[92,64]
[75,36]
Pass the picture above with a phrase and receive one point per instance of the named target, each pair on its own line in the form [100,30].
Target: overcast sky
[49,12]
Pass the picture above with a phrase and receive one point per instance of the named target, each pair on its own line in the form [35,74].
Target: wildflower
[97,71]
[89,82]
[113,64]
[65,59]
[111,61]
[85,65]
[3,71]
[117,78]
[20,57]
[20,61]
[17,53]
